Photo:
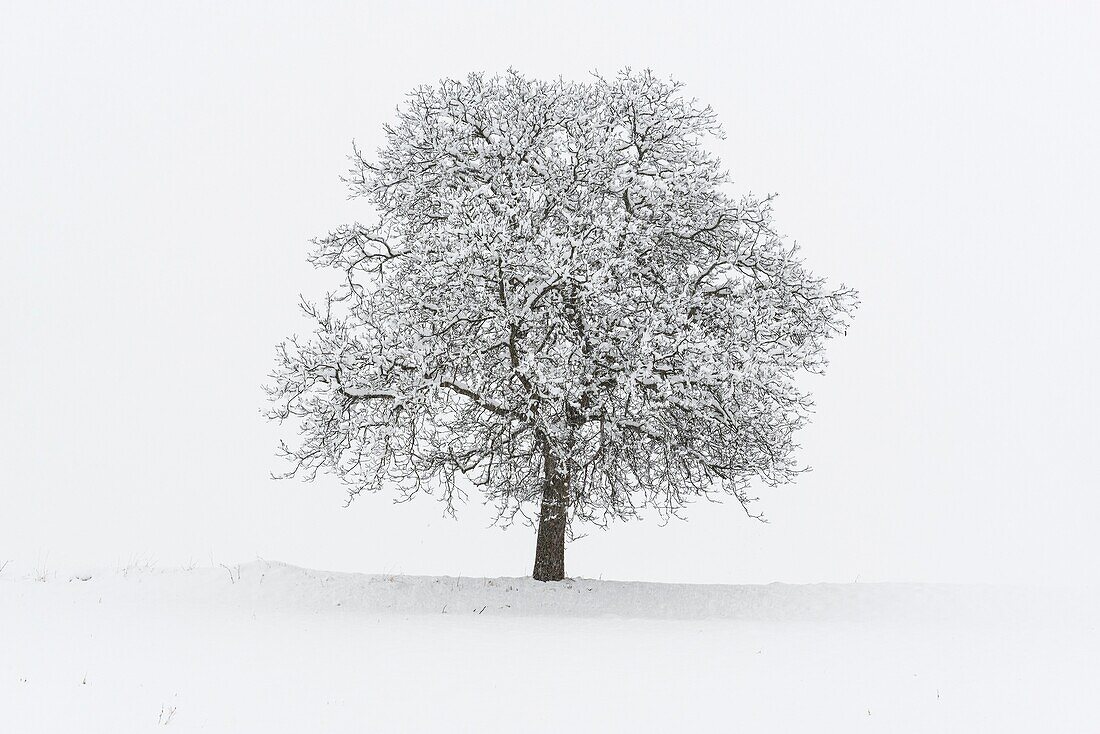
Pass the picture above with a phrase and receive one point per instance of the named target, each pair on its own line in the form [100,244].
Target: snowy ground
[266,647]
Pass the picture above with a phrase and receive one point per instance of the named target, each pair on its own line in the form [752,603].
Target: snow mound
[280,587]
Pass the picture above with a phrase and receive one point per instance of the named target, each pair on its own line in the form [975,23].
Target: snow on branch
[557,285]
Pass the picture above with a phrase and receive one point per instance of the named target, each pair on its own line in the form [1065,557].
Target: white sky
[164,165]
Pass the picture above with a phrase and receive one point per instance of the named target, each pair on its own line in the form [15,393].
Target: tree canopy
[558,303]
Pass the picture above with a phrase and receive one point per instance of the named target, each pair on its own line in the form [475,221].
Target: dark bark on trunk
[553,521]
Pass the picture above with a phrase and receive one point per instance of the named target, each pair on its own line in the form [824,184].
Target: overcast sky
[165,164]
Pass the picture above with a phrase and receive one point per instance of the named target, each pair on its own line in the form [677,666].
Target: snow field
[267,647]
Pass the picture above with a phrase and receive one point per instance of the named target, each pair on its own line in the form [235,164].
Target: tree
[557,304]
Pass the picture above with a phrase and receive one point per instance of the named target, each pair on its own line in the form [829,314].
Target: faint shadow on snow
[275,587]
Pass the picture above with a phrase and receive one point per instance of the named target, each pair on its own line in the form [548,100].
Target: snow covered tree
[557,304]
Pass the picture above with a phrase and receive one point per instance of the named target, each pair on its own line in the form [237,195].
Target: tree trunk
[553,519]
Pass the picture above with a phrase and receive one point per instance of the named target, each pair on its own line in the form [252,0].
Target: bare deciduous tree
[557,302]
